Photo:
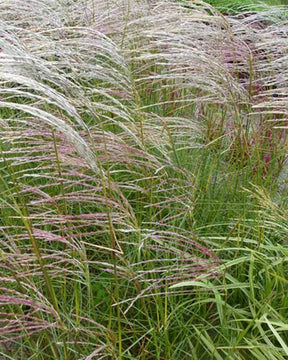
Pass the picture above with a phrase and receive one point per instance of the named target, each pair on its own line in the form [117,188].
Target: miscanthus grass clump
[143,181]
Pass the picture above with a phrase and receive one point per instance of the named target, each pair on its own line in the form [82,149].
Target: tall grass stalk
[143,181]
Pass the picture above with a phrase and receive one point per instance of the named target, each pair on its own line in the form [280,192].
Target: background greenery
[143,181]
[234,5]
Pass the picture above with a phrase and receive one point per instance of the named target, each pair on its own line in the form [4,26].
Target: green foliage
[143,181]
[232,4]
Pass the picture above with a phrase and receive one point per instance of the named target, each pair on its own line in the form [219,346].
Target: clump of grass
[143,151]
[234,7]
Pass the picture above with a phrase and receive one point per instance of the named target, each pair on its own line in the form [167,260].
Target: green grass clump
[239,4]
[236,7]
[143,181]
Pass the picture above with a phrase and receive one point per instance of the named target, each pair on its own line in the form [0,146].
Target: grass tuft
[143,181]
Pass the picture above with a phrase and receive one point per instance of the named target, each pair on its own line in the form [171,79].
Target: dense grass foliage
[143,179]
[232,6]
